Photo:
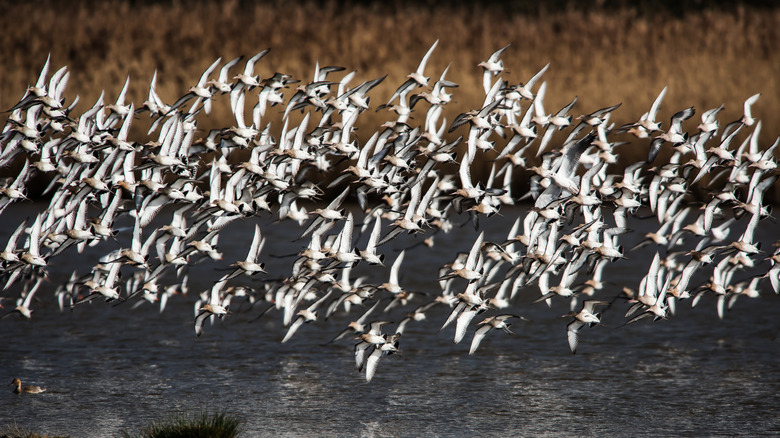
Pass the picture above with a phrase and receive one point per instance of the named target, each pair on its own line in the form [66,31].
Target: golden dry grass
[706,57]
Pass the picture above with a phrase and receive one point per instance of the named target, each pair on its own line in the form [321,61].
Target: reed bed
[603,56]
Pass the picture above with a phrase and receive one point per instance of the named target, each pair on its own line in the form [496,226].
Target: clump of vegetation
[219,425]
[16,431]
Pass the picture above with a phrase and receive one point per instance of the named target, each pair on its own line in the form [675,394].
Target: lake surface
[113,368]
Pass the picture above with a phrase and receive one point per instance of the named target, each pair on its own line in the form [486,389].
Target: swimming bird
[28,389]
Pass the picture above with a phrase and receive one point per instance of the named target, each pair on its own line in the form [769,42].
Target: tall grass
[602,56]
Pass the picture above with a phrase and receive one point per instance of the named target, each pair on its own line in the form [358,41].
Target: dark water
[109,369]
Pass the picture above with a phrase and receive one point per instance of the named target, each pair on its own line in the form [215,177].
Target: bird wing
[249,70]
[254,250]
[374,237]
[199,321]
[372,362]
[572,333]
[395,269]
[471,261]
[421,67]
[749,102]
[479,334]
[223,72]
[12,241]
[120,100]
[462,324]
[536,77]
[293,328]
[656,104]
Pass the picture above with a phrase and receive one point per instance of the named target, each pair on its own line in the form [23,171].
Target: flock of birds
[404,181]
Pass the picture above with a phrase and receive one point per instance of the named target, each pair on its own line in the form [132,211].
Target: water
[109,369]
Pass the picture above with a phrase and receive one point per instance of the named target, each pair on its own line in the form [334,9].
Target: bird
[492,67]
[29,389]
[245,79]
[23,308]
[9,254]
[215,305]
[488,324]
[393,284]
[648,122]
[389,346]
[472,269]
[201,91]
[586,316]
[747,114]
[250,266]
[206,311]
[524,91]
[16,190]
[308,314]
[368,340]
[418,77]
[369,254]
[103,283]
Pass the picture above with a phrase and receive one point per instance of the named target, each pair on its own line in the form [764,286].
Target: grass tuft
[16,431]
[218,425]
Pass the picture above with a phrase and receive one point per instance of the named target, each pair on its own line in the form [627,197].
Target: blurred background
[604,52]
